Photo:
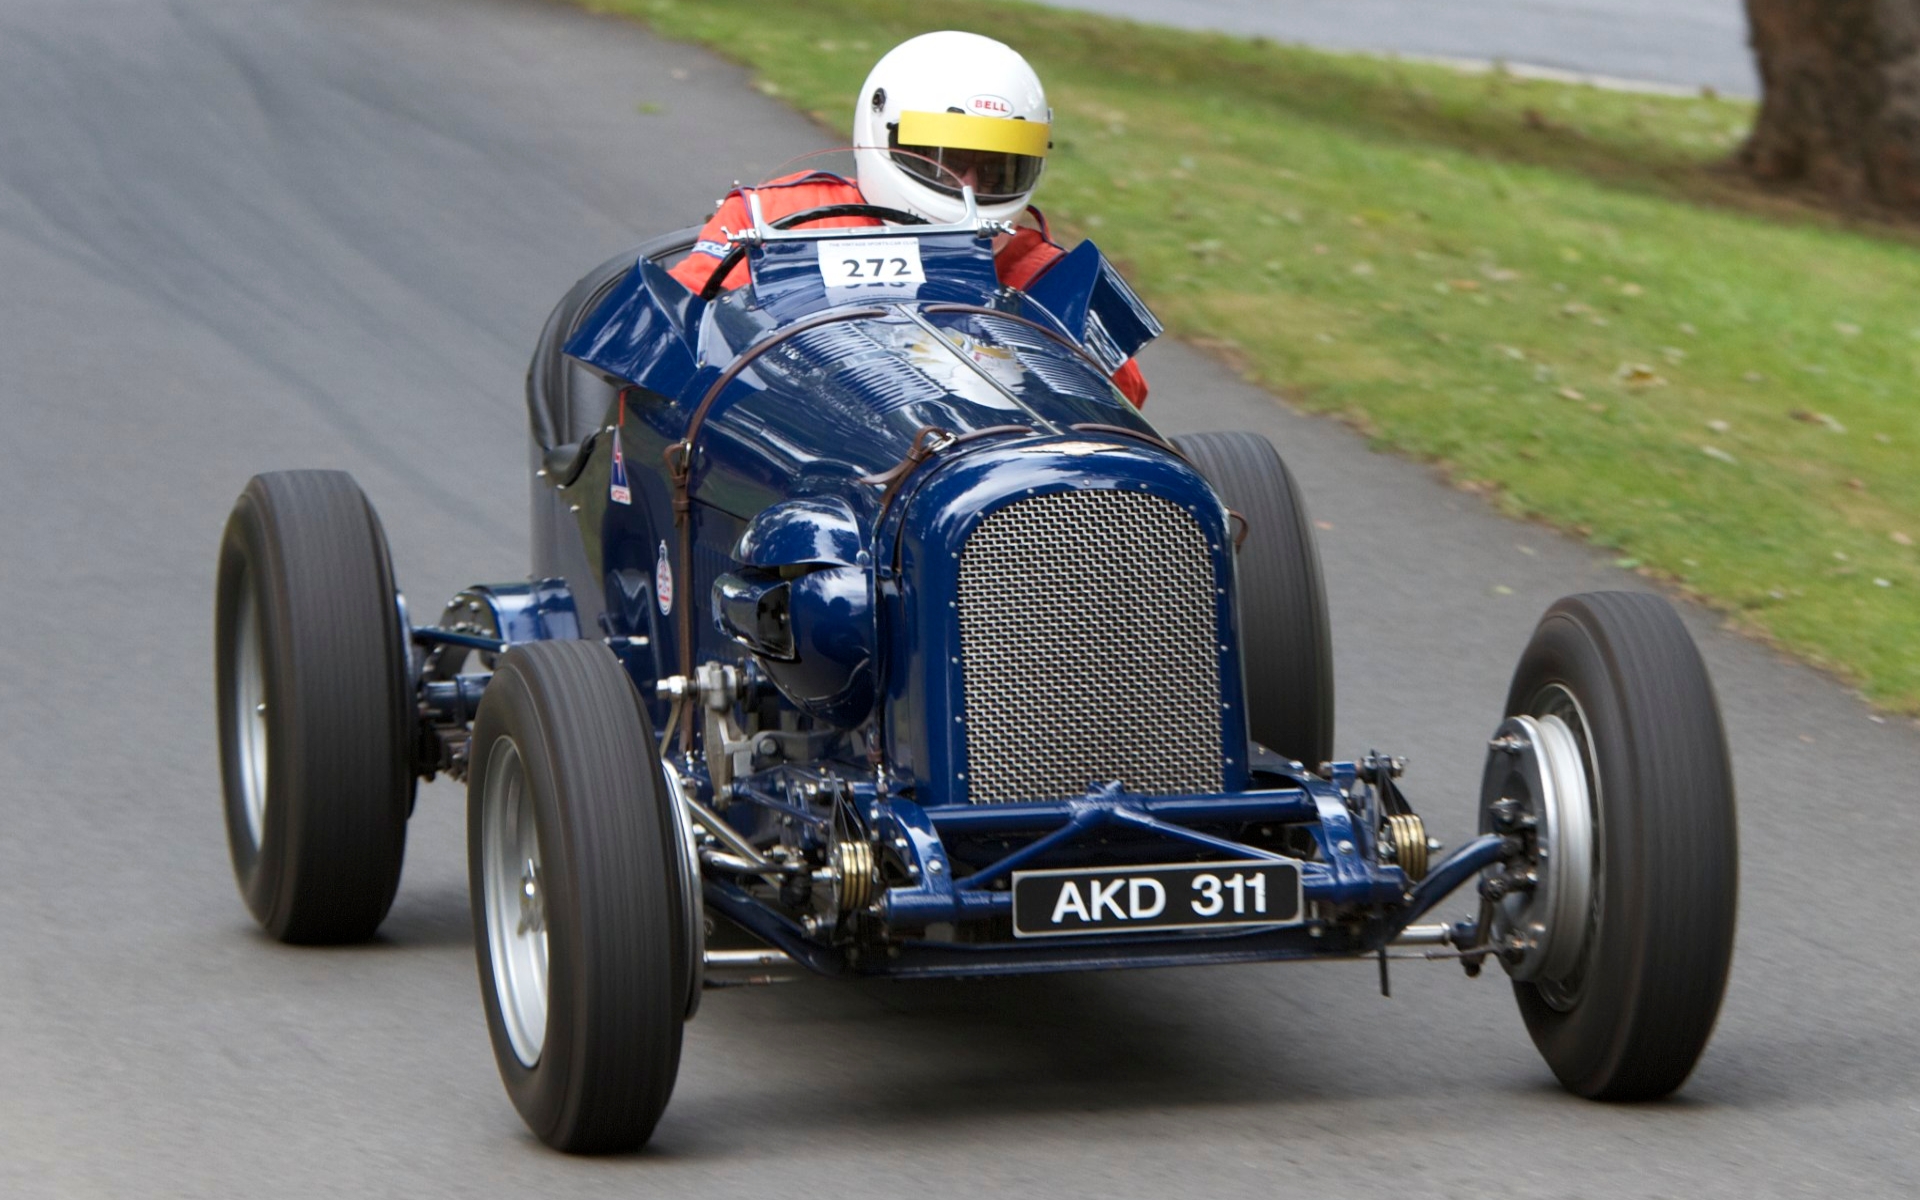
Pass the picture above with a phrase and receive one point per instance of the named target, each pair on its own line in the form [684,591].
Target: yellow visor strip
[964,131]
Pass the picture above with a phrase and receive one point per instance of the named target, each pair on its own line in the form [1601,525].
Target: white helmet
[951,102]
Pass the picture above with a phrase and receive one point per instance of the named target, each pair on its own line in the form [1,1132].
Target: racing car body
[869,621]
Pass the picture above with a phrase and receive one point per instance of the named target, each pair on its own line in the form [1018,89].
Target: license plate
[1122,899]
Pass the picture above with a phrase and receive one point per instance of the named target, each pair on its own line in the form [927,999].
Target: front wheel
[1611,772]
[1286,643]
[311,665]
[580,902]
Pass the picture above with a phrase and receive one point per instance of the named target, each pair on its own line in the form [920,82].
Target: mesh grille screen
[1088,649]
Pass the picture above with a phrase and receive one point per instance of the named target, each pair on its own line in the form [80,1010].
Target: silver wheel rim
[692,904]
[1551,925]
[515,902]
[1563,979]
[248,734]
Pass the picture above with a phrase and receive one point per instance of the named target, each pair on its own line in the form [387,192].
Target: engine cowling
[801,600]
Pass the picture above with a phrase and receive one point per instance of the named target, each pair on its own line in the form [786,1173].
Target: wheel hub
[514,901]
[1536,792]
[248,733]
[533,917]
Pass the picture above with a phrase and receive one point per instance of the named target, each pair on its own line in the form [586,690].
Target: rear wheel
[311,665]
[581,916]
[1286,643]
[1612,770]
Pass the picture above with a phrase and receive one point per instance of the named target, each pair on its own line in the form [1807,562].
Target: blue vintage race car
[872,632]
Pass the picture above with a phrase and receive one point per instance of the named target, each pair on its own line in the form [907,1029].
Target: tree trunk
[1840,97]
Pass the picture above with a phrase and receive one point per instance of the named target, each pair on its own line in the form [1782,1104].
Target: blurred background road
[1685,43]
[237,236]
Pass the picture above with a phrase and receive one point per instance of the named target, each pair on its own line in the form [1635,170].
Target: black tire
[612,969]
[1632,1018]
[319,787]
[1286,644]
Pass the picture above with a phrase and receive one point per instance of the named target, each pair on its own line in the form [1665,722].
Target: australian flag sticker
[617,489]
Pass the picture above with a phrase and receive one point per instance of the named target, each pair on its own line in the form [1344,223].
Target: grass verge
[1556,293]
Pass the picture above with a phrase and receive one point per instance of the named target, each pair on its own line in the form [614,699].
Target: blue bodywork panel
[1088,299]
[801,464]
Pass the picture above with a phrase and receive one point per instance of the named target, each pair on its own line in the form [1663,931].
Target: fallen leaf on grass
[1858,485]
[1631,289]
[1464,285]
[1719,426]
[1718,455]
[1568,393]
[1883,583]
[1809,417]
[1639,375]
[1900,539]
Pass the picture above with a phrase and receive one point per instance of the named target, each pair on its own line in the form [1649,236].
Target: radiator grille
[1089,649]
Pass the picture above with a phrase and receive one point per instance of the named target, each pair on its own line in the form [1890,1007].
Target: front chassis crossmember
[1357,904]
[925,890]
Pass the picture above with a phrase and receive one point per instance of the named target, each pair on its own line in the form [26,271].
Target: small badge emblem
[617,489]
[663,582]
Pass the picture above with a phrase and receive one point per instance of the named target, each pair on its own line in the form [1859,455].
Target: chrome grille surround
[1089,648]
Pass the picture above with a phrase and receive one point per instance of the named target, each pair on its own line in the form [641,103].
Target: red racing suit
[1022,259]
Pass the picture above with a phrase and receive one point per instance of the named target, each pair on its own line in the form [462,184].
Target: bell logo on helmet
[989,106]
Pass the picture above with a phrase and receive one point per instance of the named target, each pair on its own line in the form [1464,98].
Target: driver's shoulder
[802,190]
[1029,252]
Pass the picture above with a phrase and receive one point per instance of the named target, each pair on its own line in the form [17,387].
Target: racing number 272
[1214,894]
[877,268]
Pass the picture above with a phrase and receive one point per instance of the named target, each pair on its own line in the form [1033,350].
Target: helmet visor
[999,159]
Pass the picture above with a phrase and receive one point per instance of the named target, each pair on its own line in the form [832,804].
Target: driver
[955,106]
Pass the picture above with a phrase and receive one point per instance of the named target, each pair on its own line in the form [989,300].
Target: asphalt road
[237,236]
[1689,43]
